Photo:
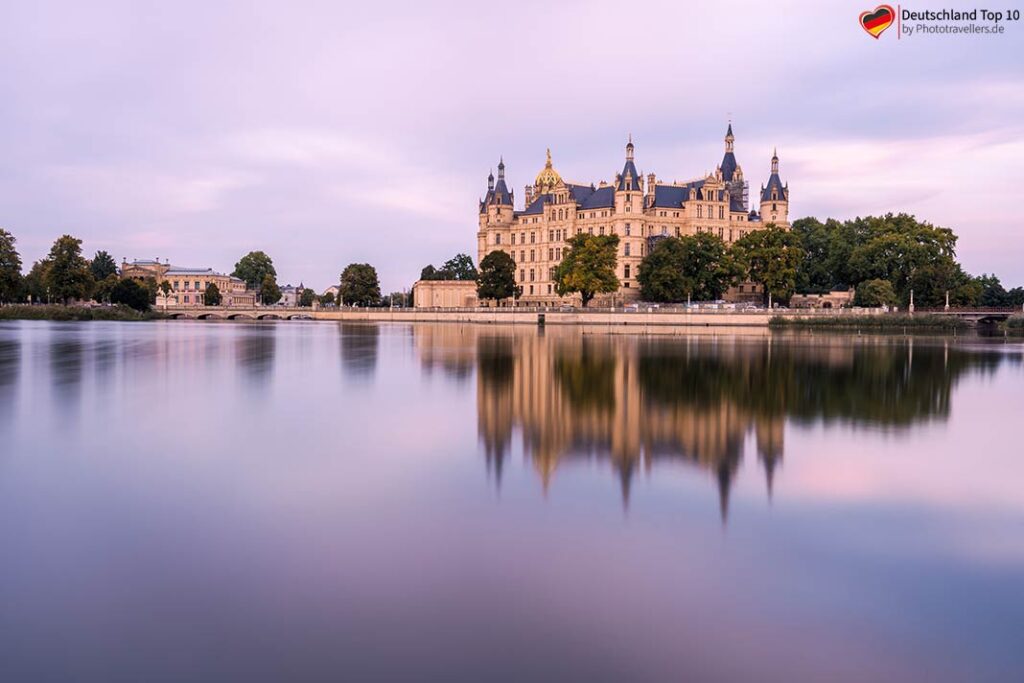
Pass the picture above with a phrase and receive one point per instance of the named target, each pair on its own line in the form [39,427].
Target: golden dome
[548,177]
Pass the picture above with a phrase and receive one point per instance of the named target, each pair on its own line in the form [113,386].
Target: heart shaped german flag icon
[877,20]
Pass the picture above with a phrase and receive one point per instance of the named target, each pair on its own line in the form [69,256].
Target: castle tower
[496,214]
[628,188]
[732,174]
[775,198]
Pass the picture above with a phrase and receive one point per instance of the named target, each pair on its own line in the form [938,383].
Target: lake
[317,501]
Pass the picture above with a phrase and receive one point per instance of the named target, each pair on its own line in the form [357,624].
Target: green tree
[898,248]
[827,247]
[10,268]
[165,288]
[874,293]
[307,297]
[212,295]
[270,293]
[992,291]
[131,293]
[254,267]
[102,266]
[34,283]
[359,285]
[770,257]
[327,299]
[698,266]
[68,276]
[429,272]
[104,288]
[497,280]
[588,266]
[460,267]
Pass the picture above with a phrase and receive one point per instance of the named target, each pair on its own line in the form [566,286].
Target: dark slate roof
[601,198]
[774,182]
[629,169]
[736,202]
[728,166]
[537,206]
[673,196]
[752,216]
[501,193]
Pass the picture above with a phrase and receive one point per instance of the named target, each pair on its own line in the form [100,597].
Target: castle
[638,212]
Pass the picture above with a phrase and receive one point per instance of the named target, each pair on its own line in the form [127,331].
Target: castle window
[730,234]
[532,254]
[551,276]
[721,212]
[591,229]
[531,289]
[497,238]
[579,231]
[627,229]
[677,231]
[628,208]
[558,253]
[551,235]
[522,274]
[664,230]
[700,211]
[522,238]
[533,238]
[626,270]
[551,254]
[626,249]
[549,289]
[522,256]
[721,233]
[626,285]
[601,230]
[531,279]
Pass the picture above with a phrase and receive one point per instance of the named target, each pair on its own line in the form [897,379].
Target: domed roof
[548,177]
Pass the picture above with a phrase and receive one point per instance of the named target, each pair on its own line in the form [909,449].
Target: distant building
[835,299]
[290,295]
[188,285]
[555,210]
[444,294]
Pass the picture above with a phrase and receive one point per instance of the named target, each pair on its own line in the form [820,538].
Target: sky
[326,133]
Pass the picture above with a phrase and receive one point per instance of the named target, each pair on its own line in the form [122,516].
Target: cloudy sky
[330,132]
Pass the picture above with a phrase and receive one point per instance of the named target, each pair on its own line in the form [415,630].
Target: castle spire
[490,181]
[729,138]
[775,160]
[501,168]
[629,148]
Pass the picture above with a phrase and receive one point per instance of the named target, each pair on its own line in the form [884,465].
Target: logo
[877,20]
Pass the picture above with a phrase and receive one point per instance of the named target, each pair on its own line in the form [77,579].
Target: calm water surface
[203,501]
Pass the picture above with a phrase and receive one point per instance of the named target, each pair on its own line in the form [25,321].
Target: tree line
[883,258]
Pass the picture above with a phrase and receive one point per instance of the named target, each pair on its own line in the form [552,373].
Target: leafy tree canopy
[130,293]
[10,268]
[102,266]
[497,277]
[307,297]
[771,257]
[212,295]
[458,267]
[254,267]
[359,285]
[270,293]
[68,275]
[699,266]
[875,293]
[588,266]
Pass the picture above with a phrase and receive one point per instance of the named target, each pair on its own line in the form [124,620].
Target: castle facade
[637,209]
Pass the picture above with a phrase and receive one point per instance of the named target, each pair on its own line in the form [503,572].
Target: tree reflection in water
[635,401]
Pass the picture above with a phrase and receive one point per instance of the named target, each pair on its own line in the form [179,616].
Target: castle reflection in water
[698,399]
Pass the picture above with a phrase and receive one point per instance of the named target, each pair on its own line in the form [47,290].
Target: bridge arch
[268,316]
[210,316]
[240,316]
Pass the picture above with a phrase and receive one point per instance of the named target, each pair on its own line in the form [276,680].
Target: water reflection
[360,346]
[255,349]
[698,400]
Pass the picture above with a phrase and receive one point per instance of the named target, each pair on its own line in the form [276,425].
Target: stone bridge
[976,316]
[237,313]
